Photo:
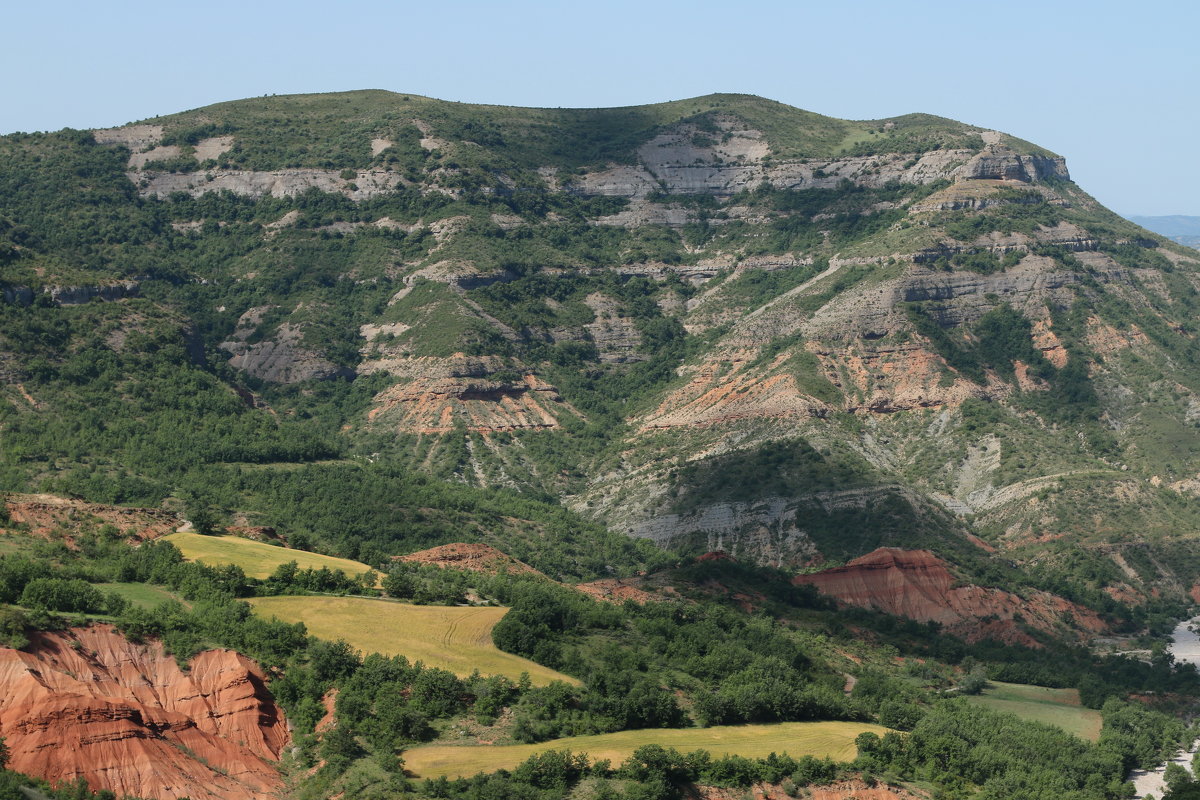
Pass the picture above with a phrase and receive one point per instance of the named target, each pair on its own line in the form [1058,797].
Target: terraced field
[819,739]
[455,638]
[257,560]
[1059,707]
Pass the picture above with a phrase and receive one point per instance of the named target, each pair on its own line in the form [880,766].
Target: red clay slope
[470,557]
[89,703]
[917,584]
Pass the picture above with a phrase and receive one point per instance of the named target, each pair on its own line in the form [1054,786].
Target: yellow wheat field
[454,638]
[257,560]
[819,739]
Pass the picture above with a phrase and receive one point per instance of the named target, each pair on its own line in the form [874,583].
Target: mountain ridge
[603,305]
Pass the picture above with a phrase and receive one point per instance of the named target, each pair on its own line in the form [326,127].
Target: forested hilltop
[725,358]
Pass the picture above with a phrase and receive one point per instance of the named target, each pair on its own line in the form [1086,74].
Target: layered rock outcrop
[687,160]
[721,393]
[617,337]
[442,393]
[88,703]
[918,585]
[280,183]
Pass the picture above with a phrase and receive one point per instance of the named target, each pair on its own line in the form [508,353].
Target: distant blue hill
[1179,227]
[1174,225]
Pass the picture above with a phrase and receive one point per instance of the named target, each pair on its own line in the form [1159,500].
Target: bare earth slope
[471,557]
[89,703]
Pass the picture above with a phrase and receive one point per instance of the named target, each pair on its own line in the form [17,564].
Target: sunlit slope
[256,559]
[455,638]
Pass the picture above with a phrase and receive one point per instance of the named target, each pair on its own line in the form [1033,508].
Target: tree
[196,510]
[12,628]
[1176,777]
[4,753]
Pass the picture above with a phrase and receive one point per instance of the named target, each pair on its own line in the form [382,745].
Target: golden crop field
[257,560]
[454,638]
[1038,704]
[819,739]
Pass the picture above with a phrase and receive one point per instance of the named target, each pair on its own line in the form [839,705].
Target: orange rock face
[898,378]
[89,703]
[917,584]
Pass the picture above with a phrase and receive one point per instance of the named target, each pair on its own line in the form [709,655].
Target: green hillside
[298,288]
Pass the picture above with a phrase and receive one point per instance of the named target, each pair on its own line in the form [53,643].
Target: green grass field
[820,739]
[455,638]
[1038,704]
[256,559]
[139,594]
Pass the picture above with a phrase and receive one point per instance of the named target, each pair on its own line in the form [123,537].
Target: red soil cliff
[918,585]
[89,703]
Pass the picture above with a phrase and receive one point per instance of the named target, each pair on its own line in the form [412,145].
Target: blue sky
[1111,86]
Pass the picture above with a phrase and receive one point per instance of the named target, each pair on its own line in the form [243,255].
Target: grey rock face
[769,531]
[281,183]
[766,532]
[18,295]
[616,337]
[281,358]
[75,295]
